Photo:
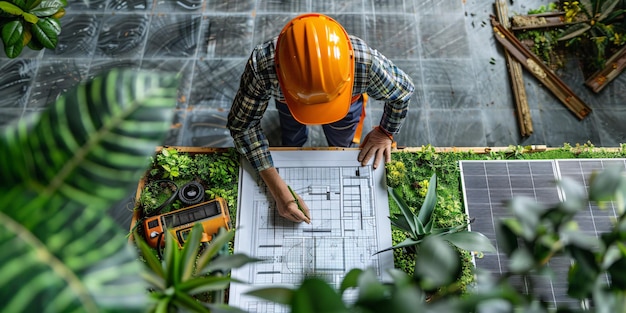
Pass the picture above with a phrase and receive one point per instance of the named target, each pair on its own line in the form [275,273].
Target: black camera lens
[191,193]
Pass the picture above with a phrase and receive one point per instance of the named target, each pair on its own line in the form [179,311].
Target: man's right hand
[286,204]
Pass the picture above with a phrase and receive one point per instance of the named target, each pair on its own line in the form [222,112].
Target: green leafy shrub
[31,23]
[174,165]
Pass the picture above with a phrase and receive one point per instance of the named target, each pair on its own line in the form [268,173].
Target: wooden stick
[614,66]
[524,117]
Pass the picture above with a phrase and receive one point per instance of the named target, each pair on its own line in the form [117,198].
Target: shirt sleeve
[249,105]
[389,83]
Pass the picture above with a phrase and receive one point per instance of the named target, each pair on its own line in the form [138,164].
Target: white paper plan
[349,223]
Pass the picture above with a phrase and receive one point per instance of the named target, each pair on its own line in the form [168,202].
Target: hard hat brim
[321,113]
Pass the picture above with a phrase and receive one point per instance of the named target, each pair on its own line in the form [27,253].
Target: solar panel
[487,185]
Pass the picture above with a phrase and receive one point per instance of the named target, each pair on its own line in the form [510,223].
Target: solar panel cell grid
[488,185]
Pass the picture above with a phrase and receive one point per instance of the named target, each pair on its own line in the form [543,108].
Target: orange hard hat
[315,67]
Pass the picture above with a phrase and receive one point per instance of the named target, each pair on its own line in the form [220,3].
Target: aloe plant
[61,170]
[419,226]
[31,23]
[183,274]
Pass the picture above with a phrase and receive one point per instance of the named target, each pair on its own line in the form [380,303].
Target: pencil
[295,198]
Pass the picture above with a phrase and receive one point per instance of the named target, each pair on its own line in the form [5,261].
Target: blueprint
[349,223]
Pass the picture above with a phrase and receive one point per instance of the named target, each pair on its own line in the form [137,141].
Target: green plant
[396,173]
[219,169]
[173,165]
[420,225]
[182,275]
[61,170]
[598,24]
[32,23]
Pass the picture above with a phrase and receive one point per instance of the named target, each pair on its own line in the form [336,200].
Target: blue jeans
[338,134]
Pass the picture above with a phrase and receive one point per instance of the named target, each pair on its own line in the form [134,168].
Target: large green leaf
[574,30]
[409,216]
[430,201]
[47,8]
[605,184]
[60,171]
[46,32]
[437,265]
[470,241]
[10,8]
[280,295]
[607,7]
[316,296]
[12,33]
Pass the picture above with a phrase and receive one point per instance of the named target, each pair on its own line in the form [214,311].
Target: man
[318,75]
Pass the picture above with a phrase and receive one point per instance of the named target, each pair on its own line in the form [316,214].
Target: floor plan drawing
[349,224]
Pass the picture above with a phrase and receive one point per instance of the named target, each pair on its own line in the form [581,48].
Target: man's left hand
[376,144]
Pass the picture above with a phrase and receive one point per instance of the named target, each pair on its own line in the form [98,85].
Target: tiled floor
[462,96]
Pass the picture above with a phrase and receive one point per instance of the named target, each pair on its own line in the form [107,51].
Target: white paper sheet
[349,223]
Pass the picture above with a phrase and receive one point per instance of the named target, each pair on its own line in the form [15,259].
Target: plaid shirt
[374,74]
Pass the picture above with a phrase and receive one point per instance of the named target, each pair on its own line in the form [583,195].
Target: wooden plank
[536,21]
[522,109]
[477,150]
[536,67]
[614,66]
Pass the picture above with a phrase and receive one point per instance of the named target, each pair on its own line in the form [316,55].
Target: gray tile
[610,126]
[390,6]
[215,83]
[425,7]
[450,84]
[354,24]
[206,128]
[219,6]
[394,35]
[227,36]
[501,127]
[55,77]
[493,83]
[456,128]
[175,136]
[178,6]
[122,36]
[564,127]
[78,36]
[482,42]
[443,36]
[173,35]
[86,6]
[268,26]
[15,82]
[274,6]
[129,5]
[102,65]
[329,7]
